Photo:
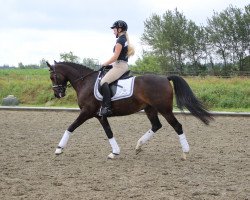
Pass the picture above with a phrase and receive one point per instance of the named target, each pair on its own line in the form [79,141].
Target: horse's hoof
[138,150]
[59,151]
[113,156]
[184,156]
[138,147]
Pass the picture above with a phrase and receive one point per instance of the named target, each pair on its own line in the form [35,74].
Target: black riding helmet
[120,24]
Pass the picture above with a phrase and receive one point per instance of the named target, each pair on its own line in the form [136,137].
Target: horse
[152,93]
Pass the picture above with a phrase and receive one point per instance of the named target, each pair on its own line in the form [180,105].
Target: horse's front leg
[115,148]
[84,115]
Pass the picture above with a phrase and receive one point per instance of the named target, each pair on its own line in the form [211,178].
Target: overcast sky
[34,29]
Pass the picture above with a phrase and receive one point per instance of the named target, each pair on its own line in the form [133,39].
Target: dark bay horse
[152,93]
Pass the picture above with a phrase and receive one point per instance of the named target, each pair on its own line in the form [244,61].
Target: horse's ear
[48,65]
[55,62]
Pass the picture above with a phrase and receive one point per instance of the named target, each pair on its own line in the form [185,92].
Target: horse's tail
[186,98]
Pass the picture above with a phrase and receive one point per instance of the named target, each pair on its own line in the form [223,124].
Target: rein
[83,77]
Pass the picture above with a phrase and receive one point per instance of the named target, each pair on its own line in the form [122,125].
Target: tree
[173,38]
[180,45]
[238,34]
[229,35]
[69,57]
[246,18]
[20,65]
[91,63]
[195,46]
[43,63]
[246,64]
[154,38]
[175,33]
[217,37]
[148,63]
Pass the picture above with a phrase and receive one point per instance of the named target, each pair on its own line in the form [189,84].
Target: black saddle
[113,86]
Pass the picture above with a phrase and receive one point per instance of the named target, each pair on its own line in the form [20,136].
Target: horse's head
[59,81]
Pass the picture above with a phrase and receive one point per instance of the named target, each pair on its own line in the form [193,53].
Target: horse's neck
[74,74]
[76,77]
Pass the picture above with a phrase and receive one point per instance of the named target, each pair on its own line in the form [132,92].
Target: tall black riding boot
[106,102]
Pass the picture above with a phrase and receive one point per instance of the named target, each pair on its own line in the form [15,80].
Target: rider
[122,51]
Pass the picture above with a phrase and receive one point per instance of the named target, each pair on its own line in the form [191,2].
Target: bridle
[60,88]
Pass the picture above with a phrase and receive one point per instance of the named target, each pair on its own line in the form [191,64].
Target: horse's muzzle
[59,91]
[59,95]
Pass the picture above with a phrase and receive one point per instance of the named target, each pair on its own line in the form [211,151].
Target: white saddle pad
[125,88]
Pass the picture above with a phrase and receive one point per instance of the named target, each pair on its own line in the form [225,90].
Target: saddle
[113,86]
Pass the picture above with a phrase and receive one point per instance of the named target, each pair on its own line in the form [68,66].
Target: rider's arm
[118,49]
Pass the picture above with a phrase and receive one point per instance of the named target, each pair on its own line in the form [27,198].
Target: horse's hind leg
[178,128]
[152,115]
[115,148]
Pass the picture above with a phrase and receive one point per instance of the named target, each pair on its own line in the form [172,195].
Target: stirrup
[105,111]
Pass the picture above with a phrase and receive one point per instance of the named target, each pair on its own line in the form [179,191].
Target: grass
[33,88]
[223,94]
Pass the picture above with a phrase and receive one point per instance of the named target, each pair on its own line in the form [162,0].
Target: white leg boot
[147,136]
[184,145]
[115,148]
[63,142]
